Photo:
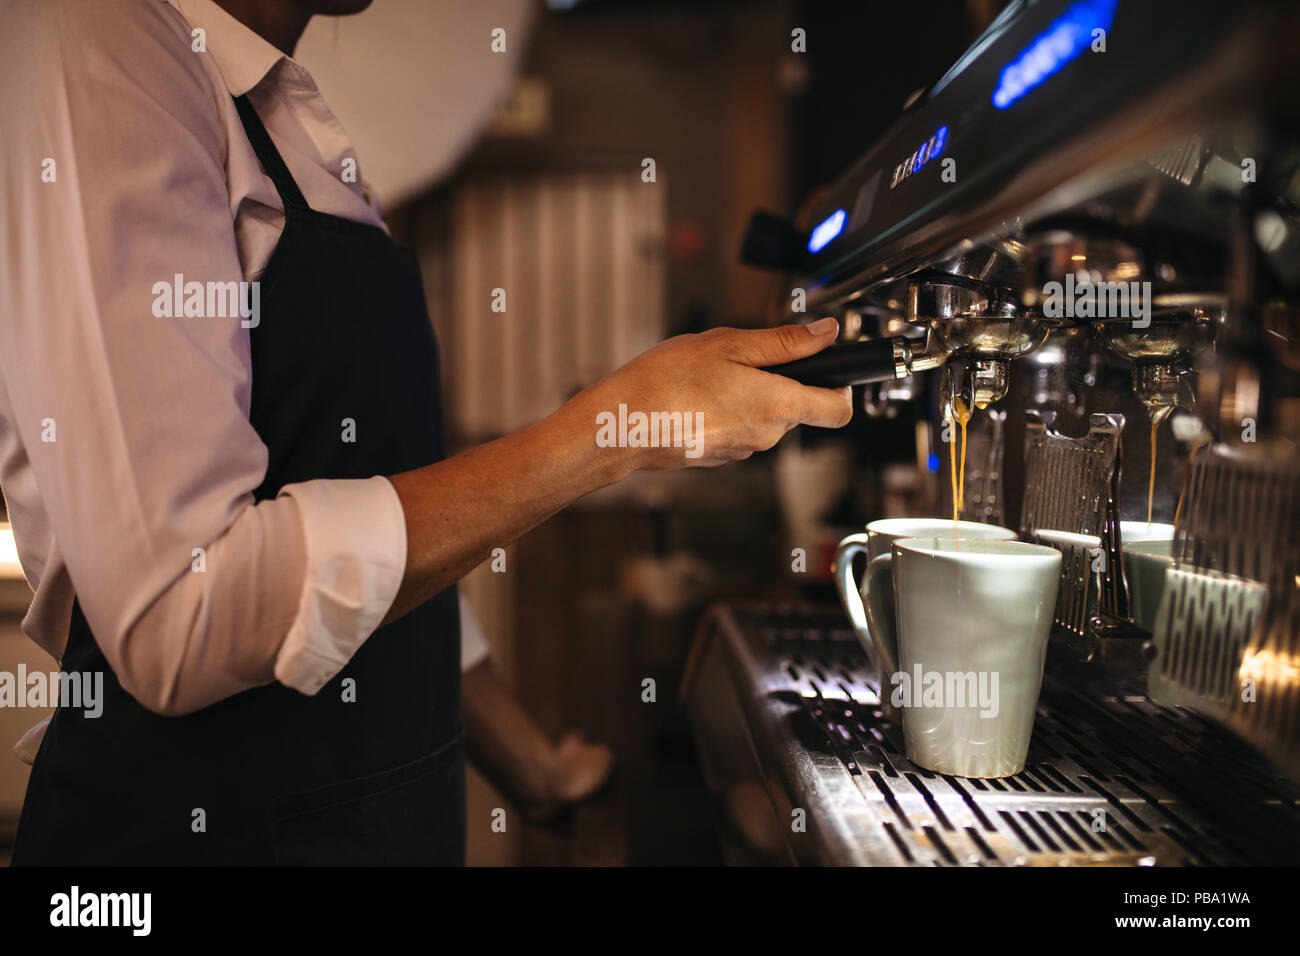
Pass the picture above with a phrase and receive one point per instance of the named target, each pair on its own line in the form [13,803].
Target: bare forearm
[459,509]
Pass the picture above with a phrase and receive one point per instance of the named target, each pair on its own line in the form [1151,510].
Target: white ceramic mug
[973,619]
[875,542]
[1134,531]
[1145,564]
[1136,537]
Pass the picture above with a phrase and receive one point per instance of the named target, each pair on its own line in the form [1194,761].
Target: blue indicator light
[932,148]
[1067,38]
[937,140]
[933,461]
[826,230]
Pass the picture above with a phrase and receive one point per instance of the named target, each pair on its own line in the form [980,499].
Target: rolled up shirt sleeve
[356,556]
[135,426]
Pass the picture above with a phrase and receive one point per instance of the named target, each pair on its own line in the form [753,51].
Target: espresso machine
[1088,232]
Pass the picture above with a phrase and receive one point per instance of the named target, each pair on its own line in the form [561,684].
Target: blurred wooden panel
[577,256]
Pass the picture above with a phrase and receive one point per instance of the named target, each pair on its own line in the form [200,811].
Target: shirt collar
[243,57]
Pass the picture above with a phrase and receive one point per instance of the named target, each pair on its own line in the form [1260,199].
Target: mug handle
[850,595]
[879,587]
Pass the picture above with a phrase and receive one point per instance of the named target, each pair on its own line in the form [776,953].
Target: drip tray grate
[1109,780]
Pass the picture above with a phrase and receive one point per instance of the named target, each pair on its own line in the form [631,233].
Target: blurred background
[592,178]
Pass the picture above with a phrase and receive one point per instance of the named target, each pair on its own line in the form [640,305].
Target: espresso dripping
[961,413]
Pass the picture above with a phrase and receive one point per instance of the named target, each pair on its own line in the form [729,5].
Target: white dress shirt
[125,443]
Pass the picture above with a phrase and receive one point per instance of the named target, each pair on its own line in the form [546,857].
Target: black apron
[271,776]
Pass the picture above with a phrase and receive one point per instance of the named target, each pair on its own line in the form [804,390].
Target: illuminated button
[826,230]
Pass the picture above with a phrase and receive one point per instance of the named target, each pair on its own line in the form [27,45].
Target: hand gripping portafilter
[962,316]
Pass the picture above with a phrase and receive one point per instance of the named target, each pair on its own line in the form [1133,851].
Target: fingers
[785,343]
[744,410]
[798,404]
[834,407]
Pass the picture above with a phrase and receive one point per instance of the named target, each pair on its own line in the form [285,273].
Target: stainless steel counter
[786,720]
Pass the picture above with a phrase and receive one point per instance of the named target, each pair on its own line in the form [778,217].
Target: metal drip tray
[1110,780]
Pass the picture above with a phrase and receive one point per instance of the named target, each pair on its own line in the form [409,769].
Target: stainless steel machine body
[1108,254]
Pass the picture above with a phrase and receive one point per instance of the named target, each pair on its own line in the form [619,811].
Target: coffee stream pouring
[1154,298]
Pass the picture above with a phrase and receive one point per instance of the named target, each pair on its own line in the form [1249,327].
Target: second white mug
[875,543]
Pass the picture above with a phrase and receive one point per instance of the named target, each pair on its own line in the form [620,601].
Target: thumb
[785,343]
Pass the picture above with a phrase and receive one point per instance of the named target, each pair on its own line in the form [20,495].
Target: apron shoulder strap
[268,155]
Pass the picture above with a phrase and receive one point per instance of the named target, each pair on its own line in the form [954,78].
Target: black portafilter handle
[772,242]
[853,363]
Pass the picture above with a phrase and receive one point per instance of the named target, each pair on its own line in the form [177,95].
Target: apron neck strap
[270,158]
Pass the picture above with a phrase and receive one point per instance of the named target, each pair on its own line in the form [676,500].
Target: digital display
[930,149]
[1066,39]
